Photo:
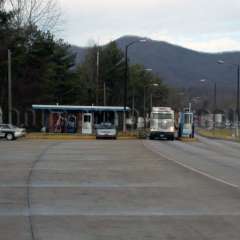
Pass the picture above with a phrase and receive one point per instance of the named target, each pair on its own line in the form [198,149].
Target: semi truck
[162,123]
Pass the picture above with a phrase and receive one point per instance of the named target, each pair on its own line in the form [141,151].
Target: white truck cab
[162,123]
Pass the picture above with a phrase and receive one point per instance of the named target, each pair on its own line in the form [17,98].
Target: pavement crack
[29,186]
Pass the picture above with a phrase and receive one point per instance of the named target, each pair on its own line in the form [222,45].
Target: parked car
[11,132]
[106,130]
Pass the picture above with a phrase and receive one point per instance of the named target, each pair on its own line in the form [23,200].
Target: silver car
[106,130]
[11,132]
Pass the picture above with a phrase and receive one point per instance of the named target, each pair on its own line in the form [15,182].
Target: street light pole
[151,95]
[151,101]
[9,86]
[133,107]
[238,72]
[237,117]
[144,100]
[126,79]
[215,106]
[214,100]
[237,109]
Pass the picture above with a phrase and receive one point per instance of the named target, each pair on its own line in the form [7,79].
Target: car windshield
[105,126]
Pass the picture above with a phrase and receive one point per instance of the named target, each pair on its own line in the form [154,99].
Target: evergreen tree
[42,67]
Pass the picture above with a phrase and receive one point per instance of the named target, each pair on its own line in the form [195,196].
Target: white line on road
[190,168]
[112,213]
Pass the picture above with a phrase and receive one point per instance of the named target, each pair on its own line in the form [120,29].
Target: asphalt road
[131,190]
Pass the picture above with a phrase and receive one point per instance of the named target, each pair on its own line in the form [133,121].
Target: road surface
[133,190]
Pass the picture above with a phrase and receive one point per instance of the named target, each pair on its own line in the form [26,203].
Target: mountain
[80,53]
[178,66]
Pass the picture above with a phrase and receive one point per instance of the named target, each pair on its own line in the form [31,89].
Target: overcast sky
[204,25]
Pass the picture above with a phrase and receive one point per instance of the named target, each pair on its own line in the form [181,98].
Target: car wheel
[9,137]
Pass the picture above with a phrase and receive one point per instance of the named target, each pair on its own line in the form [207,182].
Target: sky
[202,25]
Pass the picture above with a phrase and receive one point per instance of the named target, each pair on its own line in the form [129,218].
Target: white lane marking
[100,186]
[75,170]
[110,213]
[191,168]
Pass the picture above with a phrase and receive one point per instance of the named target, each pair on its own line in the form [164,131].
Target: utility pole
[125,88]
[9,87]
[190,107]
[97,79]
[104,93]
[133,107]
[126,80]
[144,106]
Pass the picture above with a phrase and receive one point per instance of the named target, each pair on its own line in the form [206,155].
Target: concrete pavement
[219,159]
[102,190]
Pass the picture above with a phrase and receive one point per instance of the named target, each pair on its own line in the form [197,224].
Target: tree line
[44,69]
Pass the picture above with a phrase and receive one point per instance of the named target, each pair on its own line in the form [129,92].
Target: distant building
[206,119]
[219,118]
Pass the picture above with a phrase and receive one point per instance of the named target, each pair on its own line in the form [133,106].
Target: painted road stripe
[191,168]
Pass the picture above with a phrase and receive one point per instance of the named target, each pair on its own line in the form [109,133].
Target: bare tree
[43,13]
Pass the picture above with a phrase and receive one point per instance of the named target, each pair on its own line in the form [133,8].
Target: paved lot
[218,158]
[105,190]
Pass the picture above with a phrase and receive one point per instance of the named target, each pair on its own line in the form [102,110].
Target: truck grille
[164,125]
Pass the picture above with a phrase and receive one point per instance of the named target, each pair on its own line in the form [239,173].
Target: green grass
[225,133]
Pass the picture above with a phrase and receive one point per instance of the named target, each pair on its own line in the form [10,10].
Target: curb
[217,138]
[69,137]
[187,139]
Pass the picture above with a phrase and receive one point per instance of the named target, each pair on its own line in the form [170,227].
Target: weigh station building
[78,119]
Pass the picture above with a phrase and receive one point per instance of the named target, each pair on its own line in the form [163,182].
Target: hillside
[179,66]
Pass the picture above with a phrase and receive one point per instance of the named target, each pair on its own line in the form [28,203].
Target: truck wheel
[172,138]
[9,136]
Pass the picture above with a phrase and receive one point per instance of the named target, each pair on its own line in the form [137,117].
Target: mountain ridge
[176,65]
